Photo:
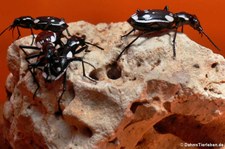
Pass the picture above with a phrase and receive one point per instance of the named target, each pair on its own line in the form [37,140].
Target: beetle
[53,67]
[23,22]
[54,24]
[52,61]
[41,42]
[77,44]
[155,20]
[44,23]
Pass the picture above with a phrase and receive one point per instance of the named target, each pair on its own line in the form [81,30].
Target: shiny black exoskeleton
[23,22]
[153,21]
[52,59]
[50,23]
[45,23]
[77,44]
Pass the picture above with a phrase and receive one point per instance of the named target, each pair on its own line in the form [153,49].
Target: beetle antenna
[210,40]
[94,45]
[8,28]
[166,8]
[13,32]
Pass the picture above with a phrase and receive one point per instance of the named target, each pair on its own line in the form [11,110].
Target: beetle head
[24,21]
[186,18]
[75,41]
[195,23]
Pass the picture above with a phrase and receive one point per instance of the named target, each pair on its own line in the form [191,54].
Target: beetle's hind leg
[127,47]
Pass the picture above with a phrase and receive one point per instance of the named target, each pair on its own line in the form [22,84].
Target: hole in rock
[167,106]
[94,74]
[214,65]
[87,132]
[156,98]
[185,127]
[74,128]
[142,141]
[114,141]
[138,64]
[135,105]
[157,63]
[113,71]
[196,66]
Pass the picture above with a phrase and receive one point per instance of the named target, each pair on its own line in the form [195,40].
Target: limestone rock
[146,100]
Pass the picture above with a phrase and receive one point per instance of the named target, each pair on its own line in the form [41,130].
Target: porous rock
[146,100]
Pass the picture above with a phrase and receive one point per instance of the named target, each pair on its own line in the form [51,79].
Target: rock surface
[146,100]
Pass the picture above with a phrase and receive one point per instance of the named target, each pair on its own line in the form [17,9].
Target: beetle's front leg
[174,43]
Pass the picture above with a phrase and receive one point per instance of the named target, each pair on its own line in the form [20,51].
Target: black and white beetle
[52,61]
[77,44]
[54,24]
[152,21]
[45,23]
[23,22]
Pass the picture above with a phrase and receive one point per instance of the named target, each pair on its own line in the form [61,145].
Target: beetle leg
[59,112]
[174,43]
[22,47]
[82,49]
[28,47]
[68,33]
[38,86]
[18,32]
[126,48]
[128,33]
[33,37]
[30,56]
[84,74]
[182,28]
[33,56]
[83,67]
[94,45]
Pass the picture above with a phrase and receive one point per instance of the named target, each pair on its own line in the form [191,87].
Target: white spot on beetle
[36,21]
[53,38]
[147,16]
[27,18]
[62,22]
[59,69]
[69,55]
[134,17]
[169,18]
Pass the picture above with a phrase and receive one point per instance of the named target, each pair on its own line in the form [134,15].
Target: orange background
[210,12]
